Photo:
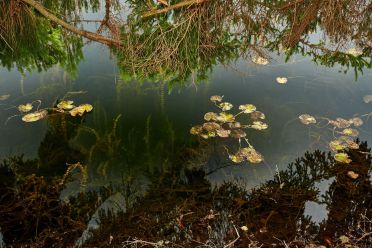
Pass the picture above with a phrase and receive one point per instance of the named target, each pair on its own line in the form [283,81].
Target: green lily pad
[337,145]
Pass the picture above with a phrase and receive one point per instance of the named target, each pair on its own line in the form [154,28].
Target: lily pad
[25,107]
[210,116]
[216,98]
[256,115]
[66,105]
[235,125]
[352,145]
[356,121]
[4,97]
[238,133]
[236,158]
[342,158]
[35,116]
[211,126]
[337,145]
[350,132]
[80,110]
[195,130]
[223,133]
[260,60]
[367,98]
[307,119]
[247,108]
[225,106]
[259,125]
[251,155]
[281,80]
[225,117]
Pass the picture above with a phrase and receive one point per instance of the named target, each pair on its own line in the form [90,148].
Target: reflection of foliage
[31,42]
[225,125]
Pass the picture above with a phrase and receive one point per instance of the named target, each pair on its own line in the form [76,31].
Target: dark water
[153,122]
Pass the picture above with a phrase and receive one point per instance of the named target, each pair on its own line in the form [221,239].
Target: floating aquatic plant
[35,116]
[281,80]
[4,97]
[225,125]
[343,131]
[367,98]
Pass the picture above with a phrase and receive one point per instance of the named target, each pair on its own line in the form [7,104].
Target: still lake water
[153,122]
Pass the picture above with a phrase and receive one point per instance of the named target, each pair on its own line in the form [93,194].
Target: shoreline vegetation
[173,213]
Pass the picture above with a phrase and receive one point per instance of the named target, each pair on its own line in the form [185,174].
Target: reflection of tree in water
[184,210]
[273,213]
[188,38]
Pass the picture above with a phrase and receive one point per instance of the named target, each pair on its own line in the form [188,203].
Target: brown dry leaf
[211,126]
[210,116]
[216,98]
[195,130]
[238,133]
[356,121]
[307,119]
[352,175]
[223,133]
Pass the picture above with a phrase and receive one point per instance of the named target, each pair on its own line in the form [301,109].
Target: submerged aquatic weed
[225,125]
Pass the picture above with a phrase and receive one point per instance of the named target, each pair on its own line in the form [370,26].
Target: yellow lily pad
[35,116]
[259,125]
[247,108]
[80,110]
[225,117]
[350,132]
[25,107]
[236,158]
[342,158]
[307,119]
[337,145]
[225,106]
[281,80]
[216,98]
[223,133]
[66,105]
[4,97]
[210,116]
[196,130]
[356,121]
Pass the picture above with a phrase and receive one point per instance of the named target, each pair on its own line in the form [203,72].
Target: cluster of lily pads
[344,133]
[225,125]
[65,106]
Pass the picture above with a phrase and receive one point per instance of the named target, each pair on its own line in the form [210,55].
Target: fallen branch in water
[172,7]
